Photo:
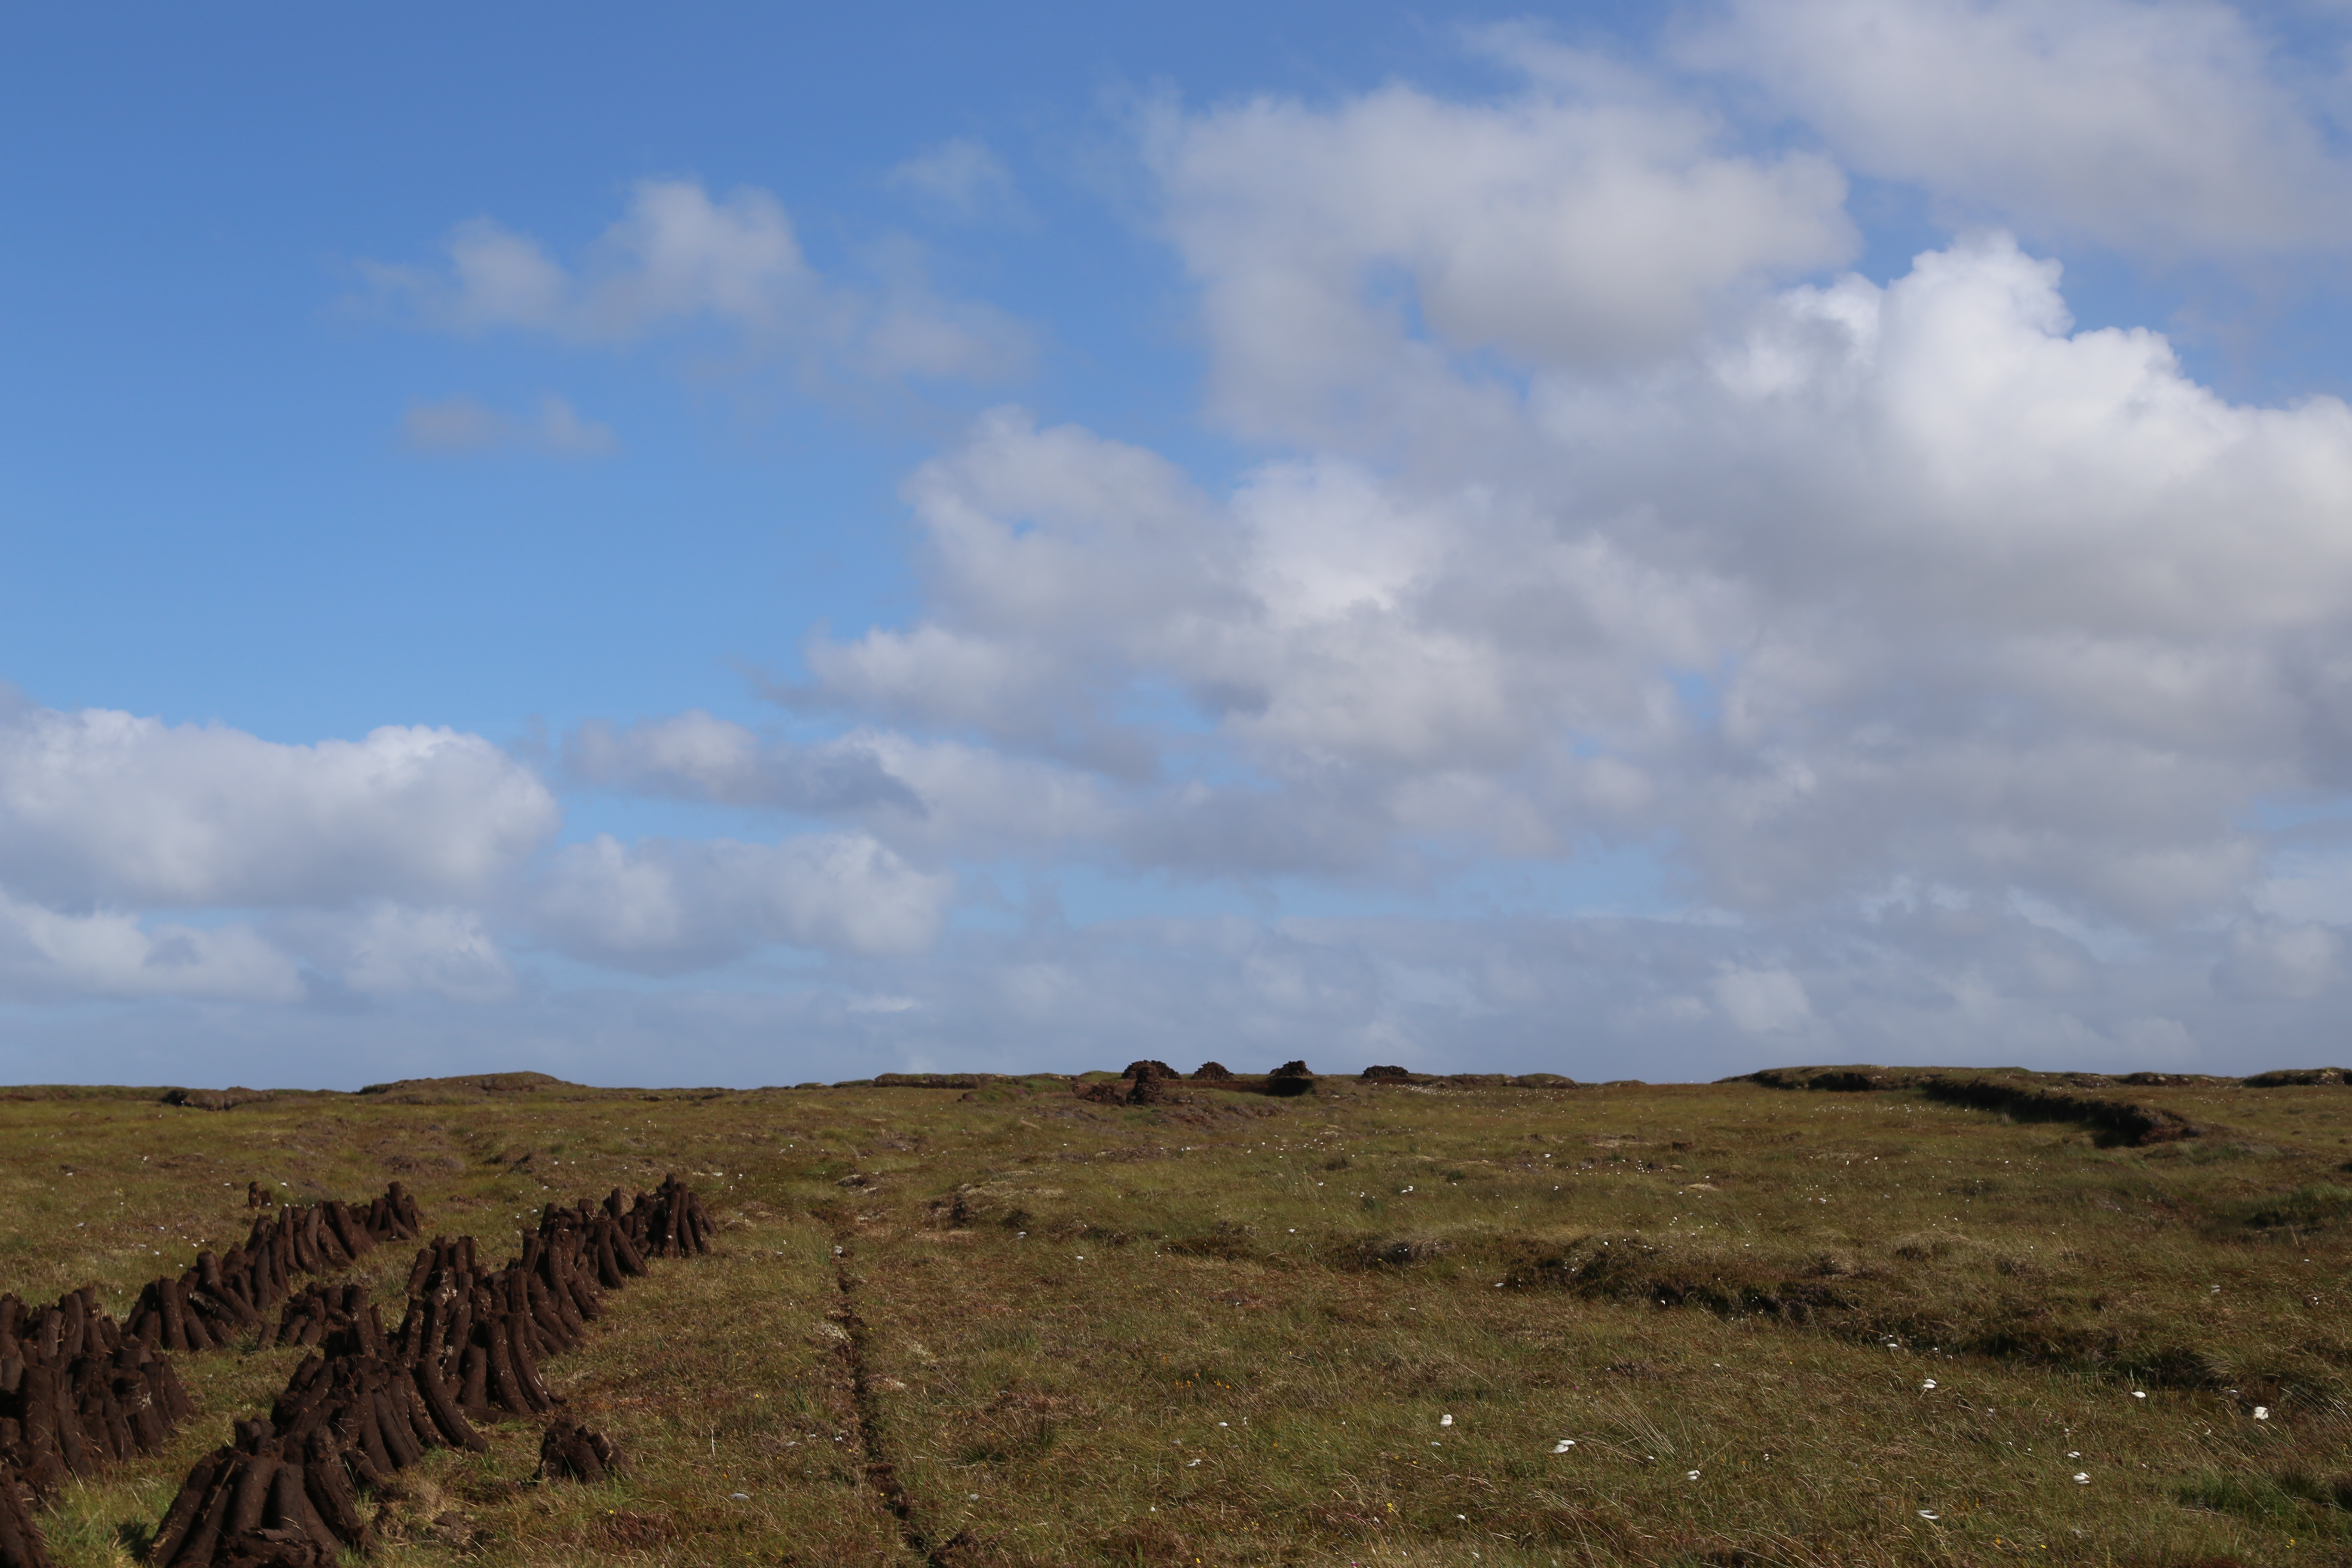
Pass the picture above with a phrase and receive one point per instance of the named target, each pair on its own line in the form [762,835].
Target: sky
[758,544]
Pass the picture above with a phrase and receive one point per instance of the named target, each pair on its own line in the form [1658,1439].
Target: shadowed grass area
[1676,1324]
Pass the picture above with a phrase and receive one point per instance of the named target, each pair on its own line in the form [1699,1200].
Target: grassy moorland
[1427,1323]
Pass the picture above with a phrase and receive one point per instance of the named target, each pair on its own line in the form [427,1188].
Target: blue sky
[1621,541]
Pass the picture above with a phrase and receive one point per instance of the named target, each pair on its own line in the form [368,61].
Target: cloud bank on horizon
[1612,632]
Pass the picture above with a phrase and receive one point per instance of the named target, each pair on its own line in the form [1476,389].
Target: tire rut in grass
[874,1454]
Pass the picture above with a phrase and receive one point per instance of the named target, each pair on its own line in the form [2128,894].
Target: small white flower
[1445,1421]
[1690,1474]
[1929,1383]
[1464,1517]
[2073,1454]
[1220,1423]
[1191,1464]
[2138,1395]
[2082,1478]
[1927,1513]
[741,1496]
[1563,1446]
[2262,1412]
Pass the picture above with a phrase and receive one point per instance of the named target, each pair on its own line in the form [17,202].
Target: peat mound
[1143,1083]
[468,1087]
[78,1392]
[2295,1077]
[1835,1080]
[2026,1095]
[570,1452]
[216,1098]
[1291,1079]
[2116,1121]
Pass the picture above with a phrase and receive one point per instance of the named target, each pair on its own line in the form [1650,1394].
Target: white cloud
[463,423]
[696,756]
[1582,223]
[665,906]
[678,259]
[2269,960]
[930,798]
[1913,581]
[2165,125]
[48,955]
[388,949]
[107,808]
[961,174]
[1762,1001]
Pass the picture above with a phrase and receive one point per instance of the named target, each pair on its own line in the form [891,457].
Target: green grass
[1019,1329]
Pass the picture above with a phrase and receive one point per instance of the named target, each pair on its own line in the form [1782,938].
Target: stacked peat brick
[222,1297]
[79,1390]
[370,1403]
[78,1393]
[570,1451]
[21,1545]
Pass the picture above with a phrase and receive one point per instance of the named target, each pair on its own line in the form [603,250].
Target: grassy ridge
[1001,1325]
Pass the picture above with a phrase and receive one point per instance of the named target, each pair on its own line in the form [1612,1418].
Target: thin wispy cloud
[463,425]
[960,176]
[679,260]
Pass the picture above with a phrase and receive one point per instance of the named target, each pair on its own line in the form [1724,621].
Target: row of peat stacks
[369,1403]
[222,1297]
[79,1390]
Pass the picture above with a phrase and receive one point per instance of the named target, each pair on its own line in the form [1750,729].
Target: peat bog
[1817,1316]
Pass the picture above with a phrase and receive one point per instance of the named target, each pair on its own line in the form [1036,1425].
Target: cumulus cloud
[696,756]
[2170,125]
[1939,655]
[49,955]
[666,906]
[1912,580]
[929,798]
[677,259]
[105,808]
[1582,223]
[1762,1001]
[464,425]
[388,949]
[2270,960]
